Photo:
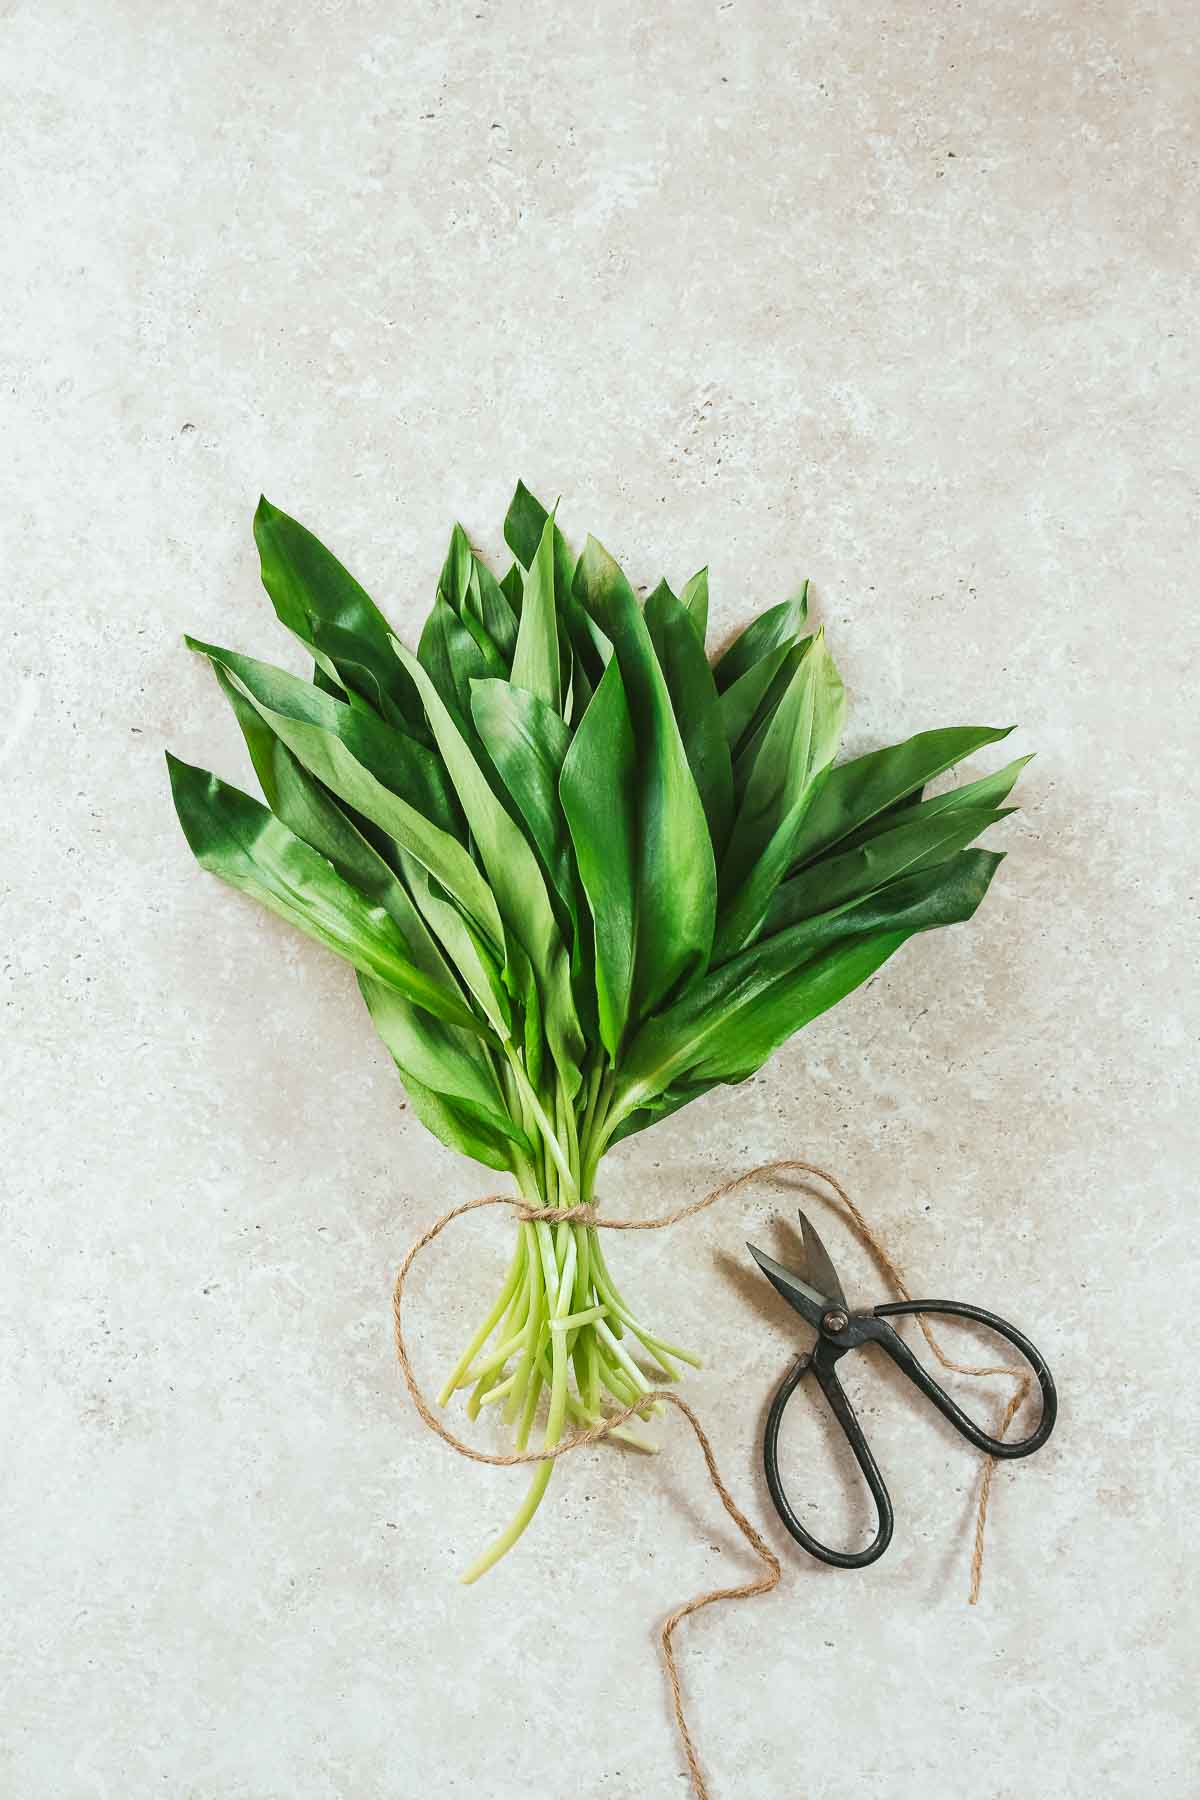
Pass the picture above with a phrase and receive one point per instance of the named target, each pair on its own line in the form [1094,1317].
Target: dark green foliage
[557,821]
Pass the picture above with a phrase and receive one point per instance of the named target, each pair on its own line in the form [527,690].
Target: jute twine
[770,1577]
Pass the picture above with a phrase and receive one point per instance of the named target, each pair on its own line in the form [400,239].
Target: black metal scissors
[819,1299]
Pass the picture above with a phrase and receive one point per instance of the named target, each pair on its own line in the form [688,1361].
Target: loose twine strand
[587,1215]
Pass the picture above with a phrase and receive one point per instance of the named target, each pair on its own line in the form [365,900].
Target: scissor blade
[806,1300]
[818,1267]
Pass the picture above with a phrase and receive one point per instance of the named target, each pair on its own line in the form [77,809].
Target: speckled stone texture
[903,299]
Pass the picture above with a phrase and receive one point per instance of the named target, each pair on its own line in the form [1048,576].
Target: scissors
[818,1298]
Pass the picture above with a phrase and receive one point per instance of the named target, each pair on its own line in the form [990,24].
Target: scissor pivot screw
[834,1321]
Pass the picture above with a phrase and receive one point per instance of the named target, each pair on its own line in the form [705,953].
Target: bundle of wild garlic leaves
[583,874]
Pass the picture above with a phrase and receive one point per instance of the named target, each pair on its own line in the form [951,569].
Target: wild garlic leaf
[489,652]
[512,871]
[917,842]
[393,758]
[487,602]
[456,1067]
[233,836]
[524,524]
[323,745]
[773,630]
[506,857]
[473,955]
[694,599]
[796,998]
[598,791]
[528,742]
[322,604]
[660,1107]
[860,790]
[535,666]
[454,1124]
[989,791]
[512,586]
[746,754]
[676,871]
[452,659]
[308,809]
[797,749]
[455,577]
[741,700]
[763,995]
[693,696]
[359,678]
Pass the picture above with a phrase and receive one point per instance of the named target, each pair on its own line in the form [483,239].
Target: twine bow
[770,1577]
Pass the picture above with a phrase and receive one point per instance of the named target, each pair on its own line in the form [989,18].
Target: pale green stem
[572,1321]
[533,1326]
[533,1394]
[489,1325]
[499,1391]
[538,1111]
[495,1360]
[623,1357]
[621,1308]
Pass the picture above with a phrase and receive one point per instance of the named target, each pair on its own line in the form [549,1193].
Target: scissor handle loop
[874,1328]
[919,1375]
[823,1369]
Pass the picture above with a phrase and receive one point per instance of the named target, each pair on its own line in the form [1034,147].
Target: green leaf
[392,757]
[512,586]
[524,524]
[742,698]
[469,951]
[858,791]
[725,1026]
[487,602]
[695,598]
[800,743]
[305,807]
[512,869]
[454,1124]
[694,702]
[260,739]
[443,1062]
[660,1107]
[800,996]
[527,743]
[536,659]
[234,837]
[322,604]
[455,577]
[676,875]
[920,842]
[452,658]
[580,691]
[773,630]
[325,741]
[988,791]
[746,754]
[597,792]
[357,677]
[493,662]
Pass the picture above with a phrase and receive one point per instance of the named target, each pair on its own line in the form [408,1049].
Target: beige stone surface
[902,298]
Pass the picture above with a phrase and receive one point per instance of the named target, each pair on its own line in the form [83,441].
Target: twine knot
[558,1215]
